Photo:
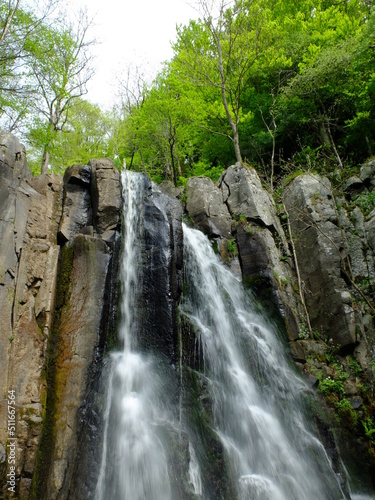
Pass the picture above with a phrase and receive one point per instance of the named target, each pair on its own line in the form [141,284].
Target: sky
[136,32]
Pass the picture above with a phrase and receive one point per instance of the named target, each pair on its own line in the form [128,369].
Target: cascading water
[256,396]
[134,464]
[150,448]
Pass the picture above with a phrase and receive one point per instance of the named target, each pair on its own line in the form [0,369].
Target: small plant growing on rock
[345,410]
[355,367]
[232,248]
[368,425]
[331,386]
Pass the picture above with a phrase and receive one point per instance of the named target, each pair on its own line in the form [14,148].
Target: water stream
[134,464]
[257,400]
[256,396]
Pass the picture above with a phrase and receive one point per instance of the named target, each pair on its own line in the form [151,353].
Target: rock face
[319,246]
[162,283]
[77,211]
[59,268]
[29,216]
[244,195]
[92,238]
[241,215]
[205,205]
[56,262]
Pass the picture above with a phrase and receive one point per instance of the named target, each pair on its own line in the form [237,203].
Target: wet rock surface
[162,283]
[59,257]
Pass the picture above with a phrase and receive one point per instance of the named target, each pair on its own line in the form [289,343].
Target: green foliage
[44,67]
[366,202]
[232,247]
[331,386]
[369,428]
[84,137]
[345,410]
[355,367]
[294,81]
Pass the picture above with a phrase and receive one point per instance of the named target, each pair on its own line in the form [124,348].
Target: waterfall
[151,449]
[134,463]
[256,396]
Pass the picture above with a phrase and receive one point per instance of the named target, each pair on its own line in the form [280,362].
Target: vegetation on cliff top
[277,84]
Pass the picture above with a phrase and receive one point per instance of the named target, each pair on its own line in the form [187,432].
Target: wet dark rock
[162,284]
[78,174]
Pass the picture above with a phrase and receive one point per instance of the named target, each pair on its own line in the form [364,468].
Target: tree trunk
[8,22]
[45,161]
[333,145]
[171,144]
[233,125]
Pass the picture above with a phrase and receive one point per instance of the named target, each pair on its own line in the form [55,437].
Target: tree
[61,67]
[323,91]
[86,135]
[224,51]
[19,26]
[8,14]
[163,126]
[132,89]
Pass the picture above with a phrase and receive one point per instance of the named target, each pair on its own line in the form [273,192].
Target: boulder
[353,186]
[244,195]
[205,205]
[367,174]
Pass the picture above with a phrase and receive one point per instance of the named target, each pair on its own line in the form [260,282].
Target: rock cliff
[309,258]
[58,239]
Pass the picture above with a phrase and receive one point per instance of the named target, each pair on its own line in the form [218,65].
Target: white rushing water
[256,395]
[133,464]
[257,399]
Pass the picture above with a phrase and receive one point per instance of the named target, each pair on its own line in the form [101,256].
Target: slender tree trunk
[45,161]
[299,281]
[9,22]
[232,123]
[333,144]
[131,159]
[173,165]
[143,161]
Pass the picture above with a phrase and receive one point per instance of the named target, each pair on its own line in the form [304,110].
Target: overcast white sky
[137,31]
